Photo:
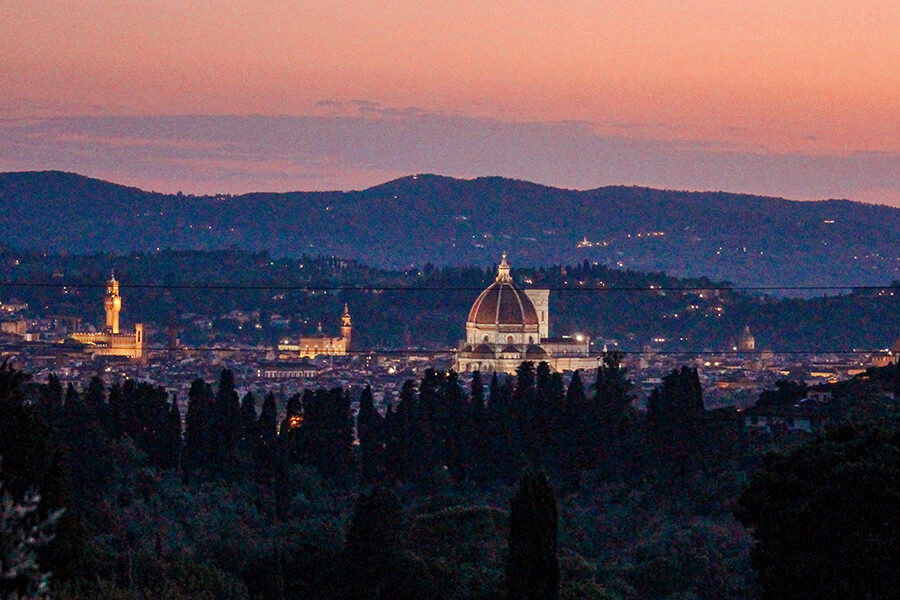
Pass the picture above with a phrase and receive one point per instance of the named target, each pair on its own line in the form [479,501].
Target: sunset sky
[800,99]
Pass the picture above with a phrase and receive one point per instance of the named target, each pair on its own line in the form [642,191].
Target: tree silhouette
[825,517]
[532,567]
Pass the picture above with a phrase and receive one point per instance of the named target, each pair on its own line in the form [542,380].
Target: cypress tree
[71,394]
[556,434]
[575,453]
[171,442]
[456,451]
[86,440]
[539,417]
[94,398]
[118,412]
[411,453]
[374,544]
[532,566]
[675,415]
[268,420]
[494,389]
[227,426]
[370,432]
[503,458]
[51,399]
[477,394]
[198,432]
[265,447]
[611,409]
[474,439]
[248,416]
[249,427]
[339,430]
[290,441]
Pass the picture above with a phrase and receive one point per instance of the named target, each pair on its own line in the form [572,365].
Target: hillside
[428,307]
[748,240]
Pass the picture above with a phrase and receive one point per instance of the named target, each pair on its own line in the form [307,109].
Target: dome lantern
[503,275]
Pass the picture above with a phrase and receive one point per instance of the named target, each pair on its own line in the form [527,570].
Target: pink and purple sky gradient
[792,98]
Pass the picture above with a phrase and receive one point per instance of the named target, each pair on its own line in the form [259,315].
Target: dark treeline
[411,503]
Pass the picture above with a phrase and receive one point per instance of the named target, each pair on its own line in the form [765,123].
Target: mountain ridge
[412,220]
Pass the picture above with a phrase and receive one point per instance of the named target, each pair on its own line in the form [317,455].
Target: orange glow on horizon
[791,76]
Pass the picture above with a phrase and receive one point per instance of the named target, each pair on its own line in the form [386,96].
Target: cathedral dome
[504,304]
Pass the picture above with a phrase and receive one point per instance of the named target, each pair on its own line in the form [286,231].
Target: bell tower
[345,327]
[112,303]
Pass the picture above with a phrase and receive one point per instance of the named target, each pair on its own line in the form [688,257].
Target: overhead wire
[8,347]
[401,288]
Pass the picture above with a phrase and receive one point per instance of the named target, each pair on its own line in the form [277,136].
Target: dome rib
[504,304]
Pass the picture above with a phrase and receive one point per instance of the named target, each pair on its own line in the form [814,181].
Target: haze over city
[796,99]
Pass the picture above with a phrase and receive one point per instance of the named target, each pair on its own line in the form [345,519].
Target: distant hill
[749,240]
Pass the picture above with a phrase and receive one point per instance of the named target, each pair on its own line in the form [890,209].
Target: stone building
[746,342]
[110,341]
[507,325]
[318,344]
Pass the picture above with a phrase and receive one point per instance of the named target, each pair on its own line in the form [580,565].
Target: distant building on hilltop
[110,341]
[508,325]
[746,342]
[883,359]
[319,344]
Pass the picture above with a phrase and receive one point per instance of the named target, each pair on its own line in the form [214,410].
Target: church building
[110,341]
[508,325]
[319,344]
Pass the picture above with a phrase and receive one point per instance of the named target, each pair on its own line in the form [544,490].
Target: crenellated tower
[111,341]
[113,304]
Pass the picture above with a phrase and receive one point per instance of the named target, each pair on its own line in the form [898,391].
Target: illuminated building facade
[508,325]
[110,341]
[319,344]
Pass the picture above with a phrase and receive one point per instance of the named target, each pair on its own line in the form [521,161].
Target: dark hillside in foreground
[749,240]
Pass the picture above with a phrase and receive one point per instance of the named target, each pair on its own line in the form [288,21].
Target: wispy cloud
[366,143]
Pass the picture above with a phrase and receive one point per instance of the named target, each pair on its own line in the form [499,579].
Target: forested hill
[749,240]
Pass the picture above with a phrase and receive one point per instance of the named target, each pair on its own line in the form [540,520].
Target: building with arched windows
[508,325]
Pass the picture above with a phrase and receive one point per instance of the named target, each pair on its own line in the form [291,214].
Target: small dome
[510,350]
[535,352]
[483,351]
[503,303]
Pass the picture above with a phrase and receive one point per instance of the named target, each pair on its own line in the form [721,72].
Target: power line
[395,288]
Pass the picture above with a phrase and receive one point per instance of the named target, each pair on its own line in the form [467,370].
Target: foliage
[532,567]
[22,533]
[824,517]
[249,509]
